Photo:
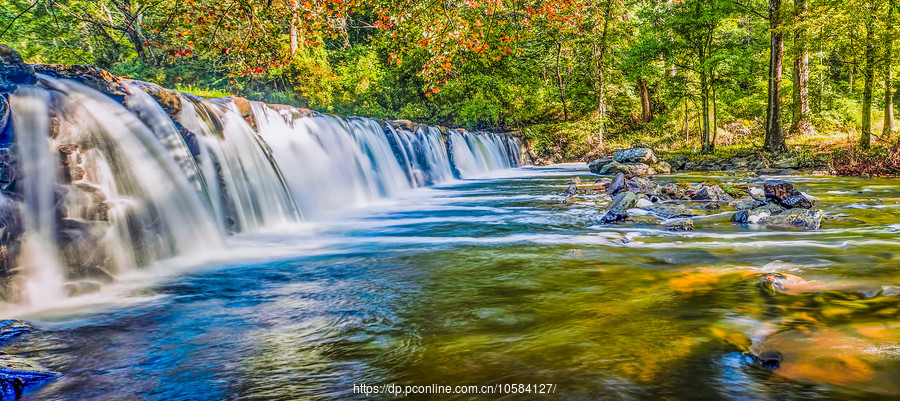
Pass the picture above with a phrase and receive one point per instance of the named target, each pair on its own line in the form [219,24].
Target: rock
[672,191]
[168,99]
[668,211]
[784,194]
[82,287]
[617,185]
[627,168]
[662,168]
[18,374]
[572,190]
[747,204]
[636,155]
[12,328]
[6,138]
[93,77]
[617,210]
[741,217]
[596,165]
[643,204]
[787,163]
[575,180]
[810,219]
[13,70]
[644,185]
[711,193]
[680,225]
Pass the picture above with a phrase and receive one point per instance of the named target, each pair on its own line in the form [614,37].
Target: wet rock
[636,155]
[747,204]
[810,219]
[617,210]
[673,191]
[82,288]
[617,185]
[662,168]
[784,194]
[680,225]
[597,165]
[645,186]
[740,217]
[19,374]
[711,193]
[12,328]
[627,168]
[571,190]
[6,138]
[168,99]
[669,211]
[13,70]
[93,77]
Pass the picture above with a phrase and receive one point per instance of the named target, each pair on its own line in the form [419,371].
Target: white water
[138,189]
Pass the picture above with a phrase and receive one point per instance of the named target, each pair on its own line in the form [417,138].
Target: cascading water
[134,183]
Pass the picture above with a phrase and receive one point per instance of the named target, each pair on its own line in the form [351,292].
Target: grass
[204,92]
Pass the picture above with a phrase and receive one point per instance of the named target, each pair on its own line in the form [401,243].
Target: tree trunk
[559,81]
[888,74]
[706,145]
[715,117]
[601,71]
[802,124]
[645,101]
[868,80]
[295,22]
[774,133]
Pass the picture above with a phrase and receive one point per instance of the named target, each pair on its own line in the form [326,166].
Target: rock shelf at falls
[102,175]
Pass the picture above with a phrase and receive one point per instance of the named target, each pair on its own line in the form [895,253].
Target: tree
[774,134]
[801,111]
[865,139]
[888,129]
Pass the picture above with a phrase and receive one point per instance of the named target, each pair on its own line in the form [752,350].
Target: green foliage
[577,77]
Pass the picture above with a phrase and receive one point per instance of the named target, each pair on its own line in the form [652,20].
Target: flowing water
[423,258]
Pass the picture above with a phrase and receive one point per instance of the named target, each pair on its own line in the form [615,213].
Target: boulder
[673,191]
[747,204]
[741,217]
[627,168]
[809,219]
[680,225]
[597,165]
[93,77]
[617,210]
[711,193]
[636,155]
[617,185]
[784,194]
[13,70]
[662,168]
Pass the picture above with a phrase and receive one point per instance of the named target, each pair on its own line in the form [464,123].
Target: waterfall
[103,187]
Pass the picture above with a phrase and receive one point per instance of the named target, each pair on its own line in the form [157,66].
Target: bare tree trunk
[802,124]
[868,80]
[715,117]
[888,73]
[645,100]
[774,133]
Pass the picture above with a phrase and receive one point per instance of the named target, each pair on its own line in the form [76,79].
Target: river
[497,281]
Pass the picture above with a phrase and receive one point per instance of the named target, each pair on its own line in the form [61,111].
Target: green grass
[204,92]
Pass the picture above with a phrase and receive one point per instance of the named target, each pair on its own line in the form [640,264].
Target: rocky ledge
[644,161]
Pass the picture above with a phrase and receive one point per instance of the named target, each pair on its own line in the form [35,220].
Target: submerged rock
[680,225]
[17,374]
[669,211]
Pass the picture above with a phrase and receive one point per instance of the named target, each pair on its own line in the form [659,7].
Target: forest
[575,77]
